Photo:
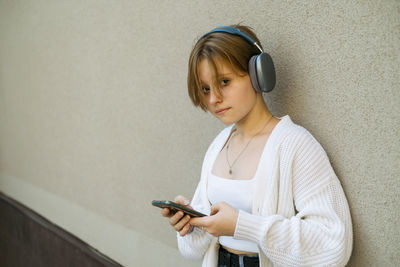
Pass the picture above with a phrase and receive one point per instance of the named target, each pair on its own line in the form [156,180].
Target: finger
[186,229]
[182,223]
[176,218]
[166,212]
[181,200]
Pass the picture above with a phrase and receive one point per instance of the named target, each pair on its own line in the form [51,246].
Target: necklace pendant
[230,171]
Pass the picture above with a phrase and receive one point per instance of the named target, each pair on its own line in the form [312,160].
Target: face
[237,98]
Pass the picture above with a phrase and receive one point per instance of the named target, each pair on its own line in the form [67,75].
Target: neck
[254,121]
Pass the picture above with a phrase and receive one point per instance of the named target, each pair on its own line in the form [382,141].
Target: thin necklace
[241,152]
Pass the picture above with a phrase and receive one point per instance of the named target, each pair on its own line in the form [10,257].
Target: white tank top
[239,194]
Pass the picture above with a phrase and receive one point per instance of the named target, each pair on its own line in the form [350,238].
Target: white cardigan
[300,214]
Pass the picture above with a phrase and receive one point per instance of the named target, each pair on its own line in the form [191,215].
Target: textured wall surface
[95,118]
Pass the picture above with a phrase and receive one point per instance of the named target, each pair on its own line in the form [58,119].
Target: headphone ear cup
[253,73]
[262,72]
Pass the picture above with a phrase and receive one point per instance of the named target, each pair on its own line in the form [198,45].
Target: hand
[179,220]
[222,220]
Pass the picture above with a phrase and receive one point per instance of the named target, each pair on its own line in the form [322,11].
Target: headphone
[261,66]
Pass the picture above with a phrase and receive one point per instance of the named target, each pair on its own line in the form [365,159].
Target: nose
[215,96]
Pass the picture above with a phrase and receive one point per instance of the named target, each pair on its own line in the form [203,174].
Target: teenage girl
[267,184]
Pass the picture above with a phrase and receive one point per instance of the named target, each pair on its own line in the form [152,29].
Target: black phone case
[175,206]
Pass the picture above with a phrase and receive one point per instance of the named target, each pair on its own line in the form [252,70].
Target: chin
[227,121]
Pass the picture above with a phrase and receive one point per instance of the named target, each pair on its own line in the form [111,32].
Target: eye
[206,90]
[225,82]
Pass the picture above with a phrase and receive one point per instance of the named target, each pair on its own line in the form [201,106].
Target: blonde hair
[218,47]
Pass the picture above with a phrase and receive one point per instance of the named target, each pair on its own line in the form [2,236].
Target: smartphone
[174,207]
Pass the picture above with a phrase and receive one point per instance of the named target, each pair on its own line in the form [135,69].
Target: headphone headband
[234,31]
[261,67]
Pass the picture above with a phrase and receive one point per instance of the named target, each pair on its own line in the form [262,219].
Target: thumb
[215,209]
[198,221]
[195,222]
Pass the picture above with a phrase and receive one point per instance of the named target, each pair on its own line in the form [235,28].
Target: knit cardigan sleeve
[195,244]
[320,232]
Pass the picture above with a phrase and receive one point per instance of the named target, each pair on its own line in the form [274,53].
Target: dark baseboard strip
[27,237]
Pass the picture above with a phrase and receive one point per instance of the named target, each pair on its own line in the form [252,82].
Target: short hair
[219,47]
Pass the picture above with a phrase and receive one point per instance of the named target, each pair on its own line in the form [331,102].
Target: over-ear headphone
[261,66]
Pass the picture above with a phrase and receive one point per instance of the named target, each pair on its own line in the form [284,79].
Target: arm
[320,233]
[195,244]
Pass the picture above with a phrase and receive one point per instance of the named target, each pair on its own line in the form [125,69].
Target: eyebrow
[219,76]
[225,74]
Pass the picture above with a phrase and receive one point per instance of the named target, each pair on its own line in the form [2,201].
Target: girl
[272,195]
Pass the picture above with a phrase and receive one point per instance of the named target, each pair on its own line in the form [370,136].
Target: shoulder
[296,138]
[306,159]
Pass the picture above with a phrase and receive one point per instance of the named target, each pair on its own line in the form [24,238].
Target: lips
[221,111]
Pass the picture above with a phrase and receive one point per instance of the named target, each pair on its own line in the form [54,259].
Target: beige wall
[95,121]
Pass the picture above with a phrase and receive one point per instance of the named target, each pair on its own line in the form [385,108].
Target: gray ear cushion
[262,72]
[265,71]
[253,73]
